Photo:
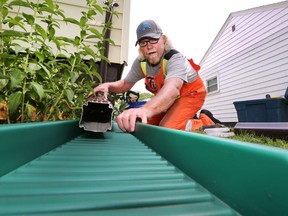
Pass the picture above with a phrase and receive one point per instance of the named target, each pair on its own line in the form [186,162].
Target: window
[233,28]
[212,84]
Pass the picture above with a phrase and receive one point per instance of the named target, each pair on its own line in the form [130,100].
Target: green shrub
[40,79]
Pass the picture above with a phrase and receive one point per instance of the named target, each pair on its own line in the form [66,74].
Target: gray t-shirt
[177,66]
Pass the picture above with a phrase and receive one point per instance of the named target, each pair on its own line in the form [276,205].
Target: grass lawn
[252,138]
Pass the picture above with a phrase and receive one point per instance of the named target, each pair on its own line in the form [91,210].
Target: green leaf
[61,55]
[14,100]
[20,3]
[96,32]
[65,39]
[98,76]
[74,76]
[110,41]
[11,33]
[71,20]
[69,94]
[40,30]
[16,77]
[76,41]
[89,51]
[40,43]
[2,76]
[5,11]
[55,23]
[34,67]
[51,31]
[29,109]
[92,37]
[18,18]
[16,21]
[83,21]
[83,34]
[7,56]
[19,49]
[60,12]
[98,8]
[83,67]
[91,13]
[3,83]
[29,18]
[40,56]
[57,43]
[105,58]
[38,89]
[45,69]
[46,9]
[50,3]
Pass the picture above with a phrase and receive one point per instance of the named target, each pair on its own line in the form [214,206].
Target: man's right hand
[100,88]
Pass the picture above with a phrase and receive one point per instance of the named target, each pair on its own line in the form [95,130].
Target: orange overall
[185,107]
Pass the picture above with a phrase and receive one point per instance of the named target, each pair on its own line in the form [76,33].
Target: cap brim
[149,35]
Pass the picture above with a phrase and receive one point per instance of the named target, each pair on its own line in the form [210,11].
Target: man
[179,90]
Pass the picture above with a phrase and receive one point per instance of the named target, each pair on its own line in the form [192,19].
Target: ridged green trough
[56,168]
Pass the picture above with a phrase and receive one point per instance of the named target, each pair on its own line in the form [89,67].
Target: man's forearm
[119,86]
[164,99]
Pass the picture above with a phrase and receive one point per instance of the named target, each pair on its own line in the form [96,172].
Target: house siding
[118,52]
[250,62]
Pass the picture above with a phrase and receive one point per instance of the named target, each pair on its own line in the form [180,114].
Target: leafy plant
[40,77]
[119,102]
[145,96]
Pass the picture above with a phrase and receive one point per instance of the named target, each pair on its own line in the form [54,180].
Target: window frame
[209,86]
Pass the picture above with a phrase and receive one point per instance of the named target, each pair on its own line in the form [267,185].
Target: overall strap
[170,54]
[143,67]
[167,56]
